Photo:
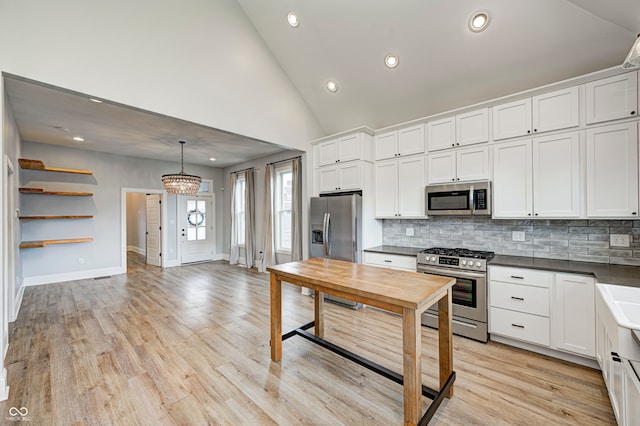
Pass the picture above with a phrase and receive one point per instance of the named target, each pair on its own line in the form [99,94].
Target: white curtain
[268,243]
[296,210]
[249,219]
[234,252]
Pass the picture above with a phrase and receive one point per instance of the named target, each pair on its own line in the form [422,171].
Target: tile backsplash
[580,240]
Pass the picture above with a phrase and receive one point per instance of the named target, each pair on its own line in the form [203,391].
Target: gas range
[458,258]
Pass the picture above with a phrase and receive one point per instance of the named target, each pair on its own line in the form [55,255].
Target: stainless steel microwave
[465,198]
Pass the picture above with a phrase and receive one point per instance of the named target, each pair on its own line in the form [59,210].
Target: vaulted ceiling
[443,66]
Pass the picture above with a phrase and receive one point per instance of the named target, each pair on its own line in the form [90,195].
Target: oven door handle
[454,273]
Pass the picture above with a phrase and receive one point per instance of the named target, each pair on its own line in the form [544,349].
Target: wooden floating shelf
[39,165]
[44,243]
[53,217]
[43,192]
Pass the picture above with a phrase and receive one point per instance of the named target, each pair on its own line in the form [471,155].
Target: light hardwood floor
[190,346]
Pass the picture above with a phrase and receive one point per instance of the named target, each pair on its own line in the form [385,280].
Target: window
[196,220]
[240,208]
[283,202]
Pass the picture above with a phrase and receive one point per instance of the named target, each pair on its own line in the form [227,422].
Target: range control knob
[464,263]
[478,264]
[433,258]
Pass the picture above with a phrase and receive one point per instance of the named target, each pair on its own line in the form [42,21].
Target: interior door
[196,228]
[154,230]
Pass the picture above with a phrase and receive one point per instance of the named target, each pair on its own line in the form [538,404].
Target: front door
[196,228]
[154,230]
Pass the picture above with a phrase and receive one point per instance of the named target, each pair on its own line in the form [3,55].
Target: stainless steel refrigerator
[336,232]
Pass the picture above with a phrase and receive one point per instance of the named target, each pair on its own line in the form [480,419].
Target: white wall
[198,60]
[110,174]
[137,222]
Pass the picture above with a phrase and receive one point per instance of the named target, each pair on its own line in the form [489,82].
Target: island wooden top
[386,288]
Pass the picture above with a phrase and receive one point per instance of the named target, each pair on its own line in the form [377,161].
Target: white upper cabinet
[463,129]
[472,127]
[441,134]
[346,148]
[512,180]
[612,98]
[555,110]
[340,177]
[512,119]
[542,113]
[538,178]
[400,187]
[399,143]
[458,165]
[612,171]
[556,175]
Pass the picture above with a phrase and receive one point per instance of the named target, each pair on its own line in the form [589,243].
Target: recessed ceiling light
[293,19]
[332,86]
[98,101]
[479,21]
[391,60]
[212,159]
[78,139]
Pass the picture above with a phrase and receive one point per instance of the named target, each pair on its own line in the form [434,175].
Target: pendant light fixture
[633,58]
[181,183]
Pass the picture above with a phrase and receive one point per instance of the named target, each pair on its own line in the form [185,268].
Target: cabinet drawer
[526,327]
[520,276]
[391,260]
[520,298]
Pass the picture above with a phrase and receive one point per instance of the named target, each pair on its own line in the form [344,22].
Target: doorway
[196,231]
[143,227]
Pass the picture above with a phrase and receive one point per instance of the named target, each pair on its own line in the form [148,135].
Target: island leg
[276,317]
[319,313]
[445,340]
[412,366]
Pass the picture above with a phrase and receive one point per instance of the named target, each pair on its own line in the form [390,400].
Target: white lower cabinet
[574,307]
[394,261]
[519,300]
[631,394]
[553,310]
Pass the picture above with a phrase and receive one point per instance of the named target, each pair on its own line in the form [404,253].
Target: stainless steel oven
[469,293]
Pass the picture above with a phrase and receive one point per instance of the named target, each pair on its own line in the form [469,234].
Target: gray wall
[136,221]
[110,174]
[580,240]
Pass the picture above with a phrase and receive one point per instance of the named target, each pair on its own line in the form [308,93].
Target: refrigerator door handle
[324,235]
[327,235]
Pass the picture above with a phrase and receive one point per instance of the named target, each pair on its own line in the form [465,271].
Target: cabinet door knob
[633,112]
[458,143]
[457,178]
[634,213]
[453,144]
[528,214]
[452,179]
[536,214]
[535,130]
[528,131]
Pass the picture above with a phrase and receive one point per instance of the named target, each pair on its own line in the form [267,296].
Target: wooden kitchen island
[403,292]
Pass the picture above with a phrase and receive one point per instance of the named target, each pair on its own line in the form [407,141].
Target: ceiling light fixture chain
[181,183]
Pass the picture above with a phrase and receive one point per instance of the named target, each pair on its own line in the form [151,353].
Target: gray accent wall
[111,173]
[579,240]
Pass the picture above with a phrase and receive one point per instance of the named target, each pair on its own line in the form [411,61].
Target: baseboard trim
[576,359]
[171,263]
[138,250]
[72,276]
[17,303]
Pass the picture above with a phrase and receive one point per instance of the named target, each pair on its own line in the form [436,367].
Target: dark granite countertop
[404,251]
[605,273]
